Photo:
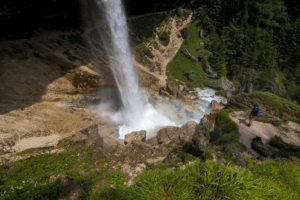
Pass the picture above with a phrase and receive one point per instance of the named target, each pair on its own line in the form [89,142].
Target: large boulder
[174,134]
[259,147]
[135,136]
[187,54]
[168,134]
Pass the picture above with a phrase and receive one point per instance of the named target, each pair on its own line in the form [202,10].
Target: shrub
[164,37]
[285,149]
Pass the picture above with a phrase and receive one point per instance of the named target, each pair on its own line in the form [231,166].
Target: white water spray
[121,63]
[135,115]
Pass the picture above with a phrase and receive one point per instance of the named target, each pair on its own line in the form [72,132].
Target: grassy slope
[180,64]
[29,178]
[273,104]
[201,180]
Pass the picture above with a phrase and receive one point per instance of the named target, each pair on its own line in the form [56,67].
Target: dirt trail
[289,132]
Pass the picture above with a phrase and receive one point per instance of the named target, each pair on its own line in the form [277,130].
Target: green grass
[229,129]
[275,103]
[181,65]
[116,179]
[203,181]
[29,178]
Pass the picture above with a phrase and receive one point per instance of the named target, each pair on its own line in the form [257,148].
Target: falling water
[134,115]
[121,62]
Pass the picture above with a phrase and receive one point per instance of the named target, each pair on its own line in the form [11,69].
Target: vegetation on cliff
[251,42]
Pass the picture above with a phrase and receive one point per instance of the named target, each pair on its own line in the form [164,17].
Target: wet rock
[187,54]
[215,106]
[165,135]
[206,66]
[135,136]
[208,122]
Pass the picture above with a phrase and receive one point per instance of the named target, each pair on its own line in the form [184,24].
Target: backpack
[255,111]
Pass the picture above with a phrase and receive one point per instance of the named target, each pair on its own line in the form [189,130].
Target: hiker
[254,113]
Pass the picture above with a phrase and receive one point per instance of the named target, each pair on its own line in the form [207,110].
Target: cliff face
[19,19]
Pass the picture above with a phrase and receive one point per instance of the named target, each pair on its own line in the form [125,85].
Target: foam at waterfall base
[151,121]
[159,112]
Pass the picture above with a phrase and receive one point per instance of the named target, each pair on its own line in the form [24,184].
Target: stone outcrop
[187,54]
[174,135]
[260,148]
[215,106]
[138,136]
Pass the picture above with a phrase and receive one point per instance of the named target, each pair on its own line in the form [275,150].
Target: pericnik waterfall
[121,62]
[135,114]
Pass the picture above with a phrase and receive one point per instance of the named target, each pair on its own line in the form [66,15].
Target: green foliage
[254,41]
[202,180]
[164,37]
[283,178]
[217,47]
[228,127]
[115,178]
[29,178]
[181,65]
[284,149]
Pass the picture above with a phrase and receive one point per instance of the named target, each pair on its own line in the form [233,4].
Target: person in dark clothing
[254,113]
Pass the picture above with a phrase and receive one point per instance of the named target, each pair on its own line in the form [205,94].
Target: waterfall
[121,62]
[135,114]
